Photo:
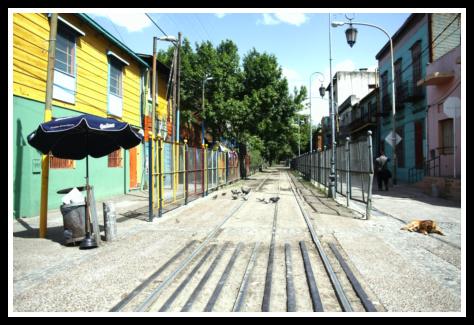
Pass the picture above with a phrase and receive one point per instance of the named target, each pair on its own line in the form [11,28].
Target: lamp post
[206,78]
[322,91]
[351,35]
[177,44]
[332,175]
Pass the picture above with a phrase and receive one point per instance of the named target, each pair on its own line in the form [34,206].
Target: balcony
[362,122]
[409,91]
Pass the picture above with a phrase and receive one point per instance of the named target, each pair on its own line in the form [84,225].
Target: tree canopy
[247,101]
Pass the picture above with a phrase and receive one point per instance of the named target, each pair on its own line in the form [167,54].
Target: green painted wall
[107,182]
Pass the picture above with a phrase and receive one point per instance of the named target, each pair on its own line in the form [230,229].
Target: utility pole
[151,135]
[178,85]
[47,117]
[174,94]
[332,176]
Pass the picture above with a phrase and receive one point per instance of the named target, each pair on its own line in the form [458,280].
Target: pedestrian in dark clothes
[382,172]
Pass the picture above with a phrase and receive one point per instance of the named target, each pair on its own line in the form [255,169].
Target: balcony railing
[362,121]
[409,91]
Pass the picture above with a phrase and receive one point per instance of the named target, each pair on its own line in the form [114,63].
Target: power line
[430,45]
[113,25]
[202,25]
[161,30]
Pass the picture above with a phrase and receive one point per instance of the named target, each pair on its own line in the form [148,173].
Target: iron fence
[353,166]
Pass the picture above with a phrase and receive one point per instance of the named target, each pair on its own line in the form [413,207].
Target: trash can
[74,221]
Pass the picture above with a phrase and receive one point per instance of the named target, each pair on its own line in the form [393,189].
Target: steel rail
[119,306]
[344,302]
[154,295]
[245,280]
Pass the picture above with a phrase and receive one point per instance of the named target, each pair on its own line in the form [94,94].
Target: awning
[436,78]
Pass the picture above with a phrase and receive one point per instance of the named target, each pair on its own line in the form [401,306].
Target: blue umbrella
[78,137]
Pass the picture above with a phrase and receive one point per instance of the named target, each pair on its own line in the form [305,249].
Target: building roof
[111,38]
[409,23]
[159,65]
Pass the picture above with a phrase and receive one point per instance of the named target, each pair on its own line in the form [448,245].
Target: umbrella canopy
[79,136]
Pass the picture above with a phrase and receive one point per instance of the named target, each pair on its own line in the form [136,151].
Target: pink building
[443,81]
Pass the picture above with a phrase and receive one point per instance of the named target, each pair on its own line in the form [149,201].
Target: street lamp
[177,44]
[322,91]
[202,122]
[351,35]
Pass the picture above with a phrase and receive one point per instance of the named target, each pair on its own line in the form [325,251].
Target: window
[446,137]
[65,50]
[64,87]
[115,93]
[115,85]
[416,61]
[115,158]
[398,73]
[59,163]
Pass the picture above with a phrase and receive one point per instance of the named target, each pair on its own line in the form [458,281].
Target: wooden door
[419,144]
[133,167]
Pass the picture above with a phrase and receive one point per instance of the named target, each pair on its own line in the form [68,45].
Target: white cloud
[292,18]
[220,15]
[288,18]
[268,19]
[133,22]
[293,77]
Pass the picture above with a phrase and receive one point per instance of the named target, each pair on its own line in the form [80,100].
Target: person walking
[382,172]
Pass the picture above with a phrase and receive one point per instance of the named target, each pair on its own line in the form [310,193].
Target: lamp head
[322,91]
[168,38]
[351,35]
[337,23]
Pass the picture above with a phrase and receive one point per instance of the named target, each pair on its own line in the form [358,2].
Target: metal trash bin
[74,221]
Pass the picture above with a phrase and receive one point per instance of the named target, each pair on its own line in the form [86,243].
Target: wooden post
[47,117]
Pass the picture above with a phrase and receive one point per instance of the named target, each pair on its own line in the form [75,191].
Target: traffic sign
[389,140]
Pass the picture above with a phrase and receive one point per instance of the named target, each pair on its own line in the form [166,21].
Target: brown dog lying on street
[423,226]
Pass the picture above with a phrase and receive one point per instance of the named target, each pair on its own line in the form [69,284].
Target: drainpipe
[47,117]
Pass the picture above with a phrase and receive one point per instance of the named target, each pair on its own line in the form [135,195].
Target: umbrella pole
[88,241]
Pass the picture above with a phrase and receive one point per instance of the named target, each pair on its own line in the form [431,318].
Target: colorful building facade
[418,42]
[94,73]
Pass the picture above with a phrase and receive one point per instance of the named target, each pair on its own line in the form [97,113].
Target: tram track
[207,279]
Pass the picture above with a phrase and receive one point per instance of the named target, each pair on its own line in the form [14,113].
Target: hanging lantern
[351,35]
[322,91]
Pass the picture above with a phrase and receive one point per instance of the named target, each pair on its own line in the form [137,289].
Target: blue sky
[297,38]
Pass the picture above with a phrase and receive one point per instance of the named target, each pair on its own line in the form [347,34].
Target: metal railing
[179,172]
[431,167]
[354,169]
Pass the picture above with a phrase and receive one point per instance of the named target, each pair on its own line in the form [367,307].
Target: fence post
[160,176]
[206,169]
[150,177]
[185,172]
[203,159]
[347,172]
[324,168]
[371,176]
[349,181]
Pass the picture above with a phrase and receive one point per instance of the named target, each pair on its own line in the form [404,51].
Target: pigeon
[245,190]
[274,199]
[235,191]
[224,193]
[262,200]
[214,197]
[235,196]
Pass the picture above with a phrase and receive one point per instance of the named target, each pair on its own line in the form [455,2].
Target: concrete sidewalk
[408,271]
